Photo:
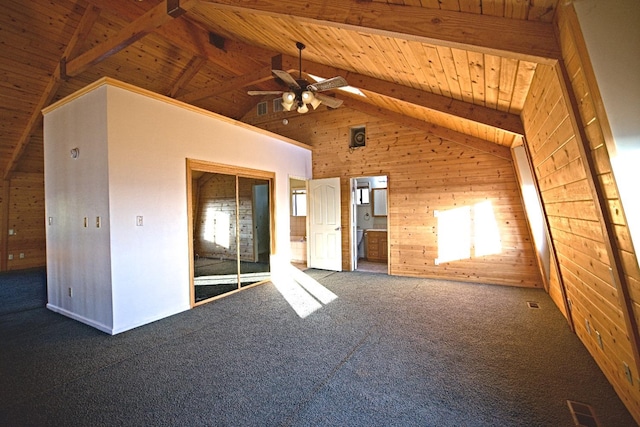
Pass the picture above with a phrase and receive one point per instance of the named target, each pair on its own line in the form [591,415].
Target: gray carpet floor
[389,351]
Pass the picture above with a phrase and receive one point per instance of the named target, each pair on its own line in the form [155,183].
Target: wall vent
[277,105]
[583,414]
[357,137]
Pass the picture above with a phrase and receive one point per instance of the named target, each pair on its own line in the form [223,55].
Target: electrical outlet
[627,373]
[10,257]
[97,222]
[139,220]
[12,232]
[21,255]
[86,222]
[70,292]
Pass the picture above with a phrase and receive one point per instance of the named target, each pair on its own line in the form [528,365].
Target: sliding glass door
[231,229]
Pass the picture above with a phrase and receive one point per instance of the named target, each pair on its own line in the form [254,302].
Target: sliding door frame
[237,172]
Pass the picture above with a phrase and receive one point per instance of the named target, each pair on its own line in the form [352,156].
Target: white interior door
[325,235]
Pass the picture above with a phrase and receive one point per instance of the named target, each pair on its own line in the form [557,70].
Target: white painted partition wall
[133,147]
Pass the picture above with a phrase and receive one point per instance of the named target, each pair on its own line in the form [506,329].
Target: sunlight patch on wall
[303,293]
[486,234]
[216,227]
[454,234]
[466,229]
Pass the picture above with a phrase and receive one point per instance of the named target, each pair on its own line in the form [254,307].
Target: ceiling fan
[301,92]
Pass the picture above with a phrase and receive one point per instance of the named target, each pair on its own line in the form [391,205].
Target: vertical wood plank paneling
[26,217]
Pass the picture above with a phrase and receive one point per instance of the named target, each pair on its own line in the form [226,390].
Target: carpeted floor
[389,351]
[22,290]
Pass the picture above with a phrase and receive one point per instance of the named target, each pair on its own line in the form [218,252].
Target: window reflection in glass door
[231,232]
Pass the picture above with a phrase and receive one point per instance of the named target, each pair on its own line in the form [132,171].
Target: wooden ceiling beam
[258,76]
[87,21]
[189,72]
[189,35]
[435,130]
[508,122]
[527,40]
[149,22]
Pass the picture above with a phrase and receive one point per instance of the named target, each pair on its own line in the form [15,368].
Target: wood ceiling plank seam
[463,72]
[471,6]
[438,70]
[394,64]
[430,4]
[493,7]
[382,51]
[420,78]
[373,67]
[427,71]
[508,69]
[449,68]
[524,76]
[452,5]
[476,72]
[492,80]
[355,61]
[413,3]
[517,9]
[364,62]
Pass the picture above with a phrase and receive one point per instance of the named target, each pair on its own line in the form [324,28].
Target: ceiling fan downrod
[300,47]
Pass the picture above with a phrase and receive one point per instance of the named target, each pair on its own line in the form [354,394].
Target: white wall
[78,257]
[149,140]
[611,31]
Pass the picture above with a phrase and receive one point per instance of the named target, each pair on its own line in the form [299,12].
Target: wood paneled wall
[553,138]
[425,174]
[22,215]
[216,195]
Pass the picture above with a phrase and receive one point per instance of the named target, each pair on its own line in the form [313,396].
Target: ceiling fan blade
[264,92]
[332,83]
[329,101]
[286,77]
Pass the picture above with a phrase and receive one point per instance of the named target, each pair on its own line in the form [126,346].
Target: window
[362,195]
[299,202]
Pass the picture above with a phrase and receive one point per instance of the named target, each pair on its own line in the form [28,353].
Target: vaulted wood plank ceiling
[461,67]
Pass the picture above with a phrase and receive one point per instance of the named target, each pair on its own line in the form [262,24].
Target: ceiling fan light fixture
[307,96]
[303,108]
[288,99]
[315,102]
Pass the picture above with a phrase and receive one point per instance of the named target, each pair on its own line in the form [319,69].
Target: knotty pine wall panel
[26,217]
[425,174]
[574,219]
[216,195]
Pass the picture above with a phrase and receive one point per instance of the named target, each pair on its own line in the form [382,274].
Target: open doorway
[369,224]
[298,222]
[231,228]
